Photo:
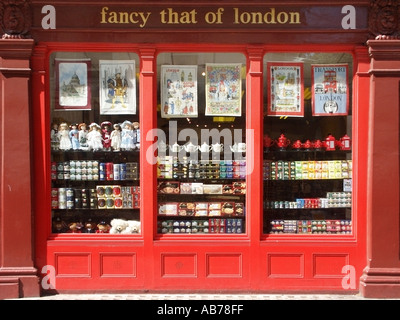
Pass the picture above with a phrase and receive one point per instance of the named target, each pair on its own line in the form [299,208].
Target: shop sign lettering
[228,17]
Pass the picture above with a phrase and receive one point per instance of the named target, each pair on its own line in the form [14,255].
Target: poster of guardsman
[73,84]
[178,91]
[223,90]
[117,87]
[329,90]
[285,89]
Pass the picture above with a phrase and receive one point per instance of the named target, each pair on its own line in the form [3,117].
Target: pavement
[202,296]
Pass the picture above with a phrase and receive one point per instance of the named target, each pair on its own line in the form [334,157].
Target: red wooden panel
[178,265]
[224,265]
[118,264]
[73,264]
[329,265]
[285,265]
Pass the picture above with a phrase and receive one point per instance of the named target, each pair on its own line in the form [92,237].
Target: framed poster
[178,91]
[117,87]
[223,90]
[329,90]
[73,84]
[285,89]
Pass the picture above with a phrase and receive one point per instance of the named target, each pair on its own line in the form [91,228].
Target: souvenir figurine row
[95,137]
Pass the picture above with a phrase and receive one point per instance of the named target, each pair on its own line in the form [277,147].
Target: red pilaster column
[18,277]
[254,155]
[381,277]
[148,173]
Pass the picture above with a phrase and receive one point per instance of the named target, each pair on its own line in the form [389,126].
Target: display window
[201,164]
[95,143]
[307,169]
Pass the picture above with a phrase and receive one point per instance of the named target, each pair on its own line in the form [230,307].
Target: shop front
[200,147]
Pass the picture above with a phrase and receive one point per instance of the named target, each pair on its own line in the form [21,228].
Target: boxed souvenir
[197,188]
[228,208]
[186,188]
[227,189]
[168,187]
[186,209]
[169,209]
[132,172]
[201,205]
[212,188]
[239,209]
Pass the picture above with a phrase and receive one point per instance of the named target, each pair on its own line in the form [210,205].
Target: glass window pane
[94,174]
[201,143]
[307,156]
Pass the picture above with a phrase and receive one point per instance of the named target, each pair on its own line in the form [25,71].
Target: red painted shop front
[202,147]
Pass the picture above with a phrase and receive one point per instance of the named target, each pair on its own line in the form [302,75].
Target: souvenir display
[95,158]
[98,138]
[307,146]
[80,167]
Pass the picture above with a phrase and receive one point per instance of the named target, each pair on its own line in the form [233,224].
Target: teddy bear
[133,226]
[118,226]
[103,227]
[75,227]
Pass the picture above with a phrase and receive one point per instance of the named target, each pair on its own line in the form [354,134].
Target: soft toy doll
[133,226]
[106,135]
[103,227]
[63,134]
[75,227]
[89,227]
[118,226]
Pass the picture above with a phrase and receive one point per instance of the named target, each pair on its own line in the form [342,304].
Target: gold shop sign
[59,15]
[219,16]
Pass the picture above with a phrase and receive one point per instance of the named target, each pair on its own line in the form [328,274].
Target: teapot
[344,143]
[238,147]
[204,147]
[217,147]
[297,145]
[330,143]
[282,141]
[307,144]
[162,146]
[176,147]
[318,144]
[268,142]
[190,147]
